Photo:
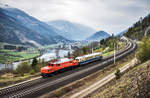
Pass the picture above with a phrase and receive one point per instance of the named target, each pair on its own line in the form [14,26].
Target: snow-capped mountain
[17,27]
[71,30]
[99,35]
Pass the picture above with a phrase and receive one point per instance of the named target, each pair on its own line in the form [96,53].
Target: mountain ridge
[21,28]
[99,35]
[73,31]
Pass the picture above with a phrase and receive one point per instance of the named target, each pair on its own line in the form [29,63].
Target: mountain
[99,35]
[17,27]
[72,31]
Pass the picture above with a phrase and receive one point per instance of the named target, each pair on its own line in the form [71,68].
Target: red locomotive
[56,65]
[64,63]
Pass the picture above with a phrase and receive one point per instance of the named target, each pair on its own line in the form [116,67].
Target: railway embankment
[133,84]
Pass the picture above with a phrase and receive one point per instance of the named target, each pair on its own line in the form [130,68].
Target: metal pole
[117,45]
[92,46]
[114,54]
[141,25]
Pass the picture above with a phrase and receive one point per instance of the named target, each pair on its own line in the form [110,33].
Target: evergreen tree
[102,42]
[34,63]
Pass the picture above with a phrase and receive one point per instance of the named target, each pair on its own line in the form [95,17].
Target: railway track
[40,86]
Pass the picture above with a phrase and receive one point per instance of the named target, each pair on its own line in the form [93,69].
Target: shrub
[38,67]
[118,74]
[58,93]
[23,68]
[143,53]
[32,72]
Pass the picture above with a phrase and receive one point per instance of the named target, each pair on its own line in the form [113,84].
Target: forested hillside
[138,29]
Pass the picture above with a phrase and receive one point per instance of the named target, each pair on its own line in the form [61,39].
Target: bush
[38,67]
[58,93]
[143,53]
[23,68]
[117,74]
[32,72]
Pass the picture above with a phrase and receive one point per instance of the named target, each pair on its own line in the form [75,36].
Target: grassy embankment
[133,84]
[10,78]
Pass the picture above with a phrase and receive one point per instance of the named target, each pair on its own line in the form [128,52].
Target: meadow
[12,56]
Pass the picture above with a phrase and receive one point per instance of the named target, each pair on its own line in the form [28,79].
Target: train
[64,63]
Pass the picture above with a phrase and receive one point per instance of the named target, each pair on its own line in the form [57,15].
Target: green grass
[7,55]
[108,53]
[23,54]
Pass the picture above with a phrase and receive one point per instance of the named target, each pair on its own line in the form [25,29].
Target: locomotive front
[45,71]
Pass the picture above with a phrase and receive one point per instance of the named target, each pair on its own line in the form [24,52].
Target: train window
[57,64]
[70,62]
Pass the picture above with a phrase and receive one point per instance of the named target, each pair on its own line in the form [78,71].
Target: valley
[74,49]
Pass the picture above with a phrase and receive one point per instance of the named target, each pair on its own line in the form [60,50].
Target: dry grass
[129,85]
[9,78]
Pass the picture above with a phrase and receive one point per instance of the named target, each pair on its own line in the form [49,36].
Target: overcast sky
[113,16]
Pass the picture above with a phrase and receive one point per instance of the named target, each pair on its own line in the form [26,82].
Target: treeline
[138,29]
